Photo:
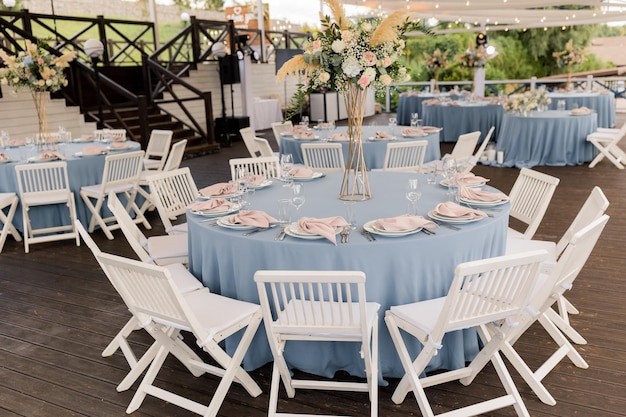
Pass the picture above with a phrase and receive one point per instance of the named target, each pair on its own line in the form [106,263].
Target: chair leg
[96,218]
[564,325]
[131,206]
[8,228]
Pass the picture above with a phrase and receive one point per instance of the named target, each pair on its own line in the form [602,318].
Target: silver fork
[345,235]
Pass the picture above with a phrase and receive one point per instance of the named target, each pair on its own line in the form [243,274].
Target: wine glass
[286,165]
[304,121]
[414,120]
[393,123]
[413,193]
[297,196]
[449,171]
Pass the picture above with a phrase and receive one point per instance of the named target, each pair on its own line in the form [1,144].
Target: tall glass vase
[44,140]
[355,185]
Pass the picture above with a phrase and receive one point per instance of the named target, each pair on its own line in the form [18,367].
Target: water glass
[393,123]
[286,167]
[431,176]
[297,196]
[284,211]
[304,121]
[414,120]
[413,194]
[560,105]
[350,213]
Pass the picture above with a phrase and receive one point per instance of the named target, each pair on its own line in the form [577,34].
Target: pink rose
[369,58]
[364,81]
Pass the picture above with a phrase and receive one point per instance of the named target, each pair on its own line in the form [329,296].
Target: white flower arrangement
[35,69]
[363,53]
[528,101]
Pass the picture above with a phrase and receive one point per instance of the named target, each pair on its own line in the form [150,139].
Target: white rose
[385,79]
[366,27]
[338,46]
[370,73]
[351,67]
[323,77]
[347,35]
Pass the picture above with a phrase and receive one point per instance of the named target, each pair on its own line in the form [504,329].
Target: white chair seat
[167,247]
[46,198]
[96,191]
[423,314]
[185,281]
[152,164]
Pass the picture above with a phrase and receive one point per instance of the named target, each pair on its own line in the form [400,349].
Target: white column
[479,82]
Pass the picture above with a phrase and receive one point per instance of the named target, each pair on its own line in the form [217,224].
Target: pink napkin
[302,172]
[252,218]
[3,157]
[305,135]
[253,179]
[325,227]
[119,145]
[470,179]
[383,135]
[221,188]
[453,210]
[403,223]
[431,129]
[411,131]
[86,137]
[214,204]
[476,194]
[51,155]
[17,142]
[338,137]
[432,102]
[453,103]
[93,150]
[581,110]
[298,129]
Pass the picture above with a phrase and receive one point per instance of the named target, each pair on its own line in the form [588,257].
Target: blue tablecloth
[81,171]
[374,150]
[399,270]
[546,138]
[603,104]
[463,118]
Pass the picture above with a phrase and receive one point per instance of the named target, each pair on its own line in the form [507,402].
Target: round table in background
[464,117]
[602,103]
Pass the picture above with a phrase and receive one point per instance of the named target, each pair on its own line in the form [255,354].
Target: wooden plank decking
[58,312]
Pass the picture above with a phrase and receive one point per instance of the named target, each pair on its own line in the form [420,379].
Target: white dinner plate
[316,137]
[294,230]
[80,154]
[375,139]
[480,184]
[214,213]
[5,161]
[264,184]
[461,220]
[226,196]
[111,148]
[483,203]
[38,159]
[226,222]
[419,135]
[315,176]
[371,227]
[83,140]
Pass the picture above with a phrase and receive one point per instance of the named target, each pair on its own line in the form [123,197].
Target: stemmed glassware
[286,167]
[297,196]
[393,122]
[413,194]
[449,171]
[414,119]
[304,121]
[243,186]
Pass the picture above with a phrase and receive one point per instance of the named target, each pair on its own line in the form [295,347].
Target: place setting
[214,207]
[301,173]
[91,151]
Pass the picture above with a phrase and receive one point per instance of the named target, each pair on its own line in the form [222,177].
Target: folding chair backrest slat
[404,156]
[324,157]
[175,157]
[173,192]
[122,169]
[42,178]
[267,166]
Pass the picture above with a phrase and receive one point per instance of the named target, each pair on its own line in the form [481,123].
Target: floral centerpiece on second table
[436,62]
[37,70]
[569,58]
[352,57]
[526,102]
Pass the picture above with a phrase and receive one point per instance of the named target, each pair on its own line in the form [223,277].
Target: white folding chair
[483,291]
[318,306]
[172,192]
[163,311]
[607,142]
[267,166]
[174,158]
[471,163]
[160,250]
[594,207]
[530,197]
[323,157]
[121,176]
[184,281]
[249,139]
[547,291]
[110,134]
[464,148]
[157,149]
[8,200]
[281,127]
[43,185]
[264,147]
[405,156]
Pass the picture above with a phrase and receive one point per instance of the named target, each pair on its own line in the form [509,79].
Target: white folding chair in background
[471,163]
[184,281]
[157,149]
[172,192]
[547,291]
[594,206]
[174,158]
[43,185]
[323,157]
[109,134]
[318,306]
[264,147]
[8,200]
[463,149]
[281,127]
[249,139]
[405,156]
[530,197]
[160,250]
[120,176]
[607,142]
[483,291]
[163,311]
[267,166]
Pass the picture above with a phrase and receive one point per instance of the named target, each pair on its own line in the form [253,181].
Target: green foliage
[201,4]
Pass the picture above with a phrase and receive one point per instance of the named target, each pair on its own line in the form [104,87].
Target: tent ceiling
[504,14]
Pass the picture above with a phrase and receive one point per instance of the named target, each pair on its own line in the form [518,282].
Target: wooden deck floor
[58,311]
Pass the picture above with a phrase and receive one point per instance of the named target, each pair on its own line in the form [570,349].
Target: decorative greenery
[35,69]
[364,53]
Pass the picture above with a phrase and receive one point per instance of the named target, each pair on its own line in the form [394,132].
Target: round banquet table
[462,118]
[398,270]
[602,103]
[553,138]
[81,171]
[412,103]
[373,149]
